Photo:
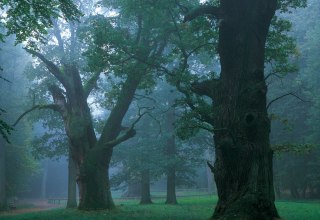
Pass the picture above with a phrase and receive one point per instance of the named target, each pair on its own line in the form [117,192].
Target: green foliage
[20,165]
[29,20]
[5,129]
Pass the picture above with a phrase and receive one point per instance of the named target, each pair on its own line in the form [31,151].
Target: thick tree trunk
[243,167]
[72,184]
[145,187]
[3,199]
[94,184]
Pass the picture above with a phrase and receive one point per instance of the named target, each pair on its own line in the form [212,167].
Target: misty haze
[160,109]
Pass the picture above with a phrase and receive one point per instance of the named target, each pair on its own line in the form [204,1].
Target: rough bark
[145,187]
[243,167]
[3,199]
[72,184]
[94,181]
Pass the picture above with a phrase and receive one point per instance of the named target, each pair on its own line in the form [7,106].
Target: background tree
[17,19]
[17,165]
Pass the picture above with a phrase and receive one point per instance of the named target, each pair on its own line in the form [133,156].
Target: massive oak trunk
[3,200]
[72,184]
[243,166]
[145,187]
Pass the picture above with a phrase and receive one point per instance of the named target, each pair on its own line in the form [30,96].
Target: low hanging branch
[203,10]
[49,106]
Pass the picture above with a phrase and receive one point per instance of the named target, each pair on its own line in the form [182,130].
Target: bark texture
[243,166]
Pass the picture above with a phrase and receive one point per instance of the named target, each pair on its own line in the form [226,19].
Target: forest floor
[31,205]
[189,208]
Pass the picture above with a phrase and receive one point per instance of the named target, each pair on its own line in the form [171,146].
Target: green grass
[189,208]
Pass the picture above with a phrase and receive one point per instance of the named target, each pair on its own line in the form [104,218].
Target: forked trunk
[72,184]
[145,187]
[243,167]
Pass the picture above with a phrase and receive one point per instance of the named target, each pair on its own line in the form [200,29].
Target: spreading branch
[53,107]
[129,133]
[54,70]
[203,10]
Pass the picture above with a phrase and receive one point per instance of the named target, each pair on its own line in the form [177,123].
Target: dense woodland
[133,94]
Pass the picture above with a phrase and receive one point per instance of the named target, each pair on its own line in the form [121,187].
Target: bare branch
[54,107]
[203,10]
[284,95]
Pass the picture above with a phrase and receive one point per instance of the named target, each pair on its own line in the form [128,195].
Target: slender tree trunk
[72,184]
[171,173]
[44,179]
[171,155]
[243,167]
[134,189]
[3,198]
[171,186]
[145,187]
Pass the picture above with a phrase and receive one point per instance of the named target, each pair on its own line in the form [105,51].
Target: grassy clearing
[189,208]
